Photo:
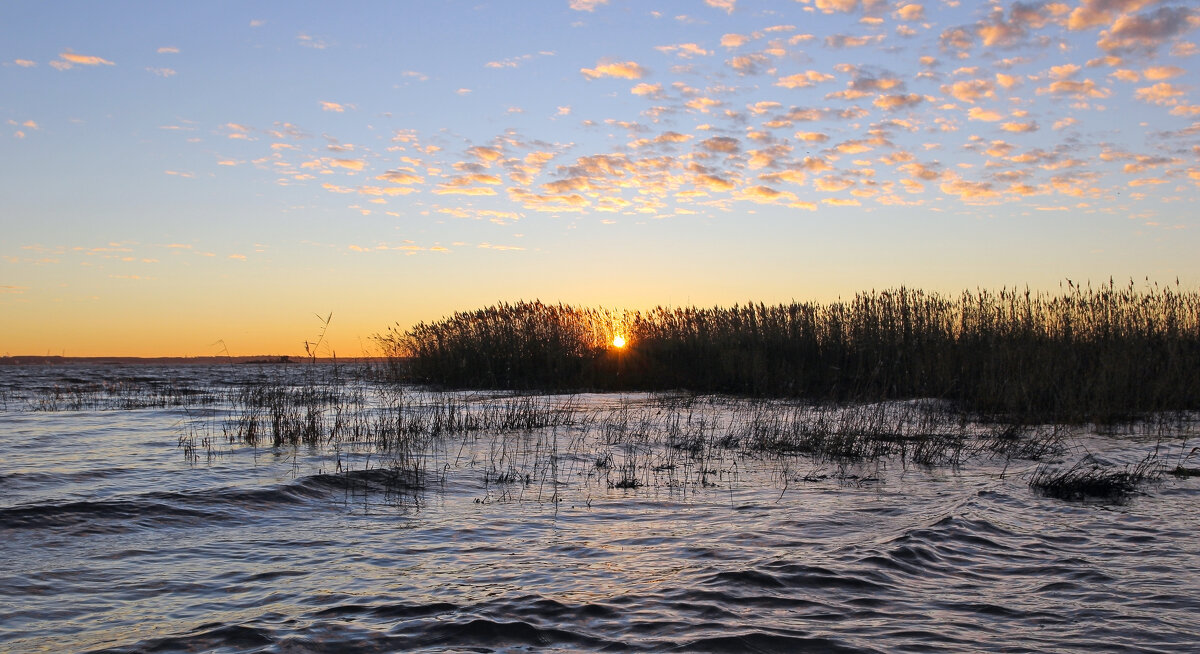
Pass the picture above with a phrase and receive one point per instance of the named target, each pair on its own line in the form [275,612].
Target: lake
[166,508]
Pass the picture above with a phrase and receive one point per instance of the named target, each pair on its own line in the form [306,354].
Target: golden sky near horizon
[194,180]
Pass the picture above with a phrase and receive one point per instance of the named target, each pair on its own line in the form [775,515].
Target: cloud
[1155,73]
[168,50]
[970,90]
[848,41]
[587,5]
[801,80]
[68,60]
[400,177]
[1031,126]
[684,50]
[812,137]
[724,5]
[750,64]
[1145,33]
[910,12]
[712,182]
[767,195]
[25,63]
[652,90]
[843,6]
[722,144]
[348,164]
[85,60]
[1085,89]
[622,69]
[484,153]
[1063,72]
[309,41]
[734,40]
[332,106]
[893,102]
[1162,93]
[986,115]
[1094,13]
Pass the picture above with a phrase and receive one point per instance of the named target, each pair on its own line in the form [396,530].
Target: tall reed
[1082,354]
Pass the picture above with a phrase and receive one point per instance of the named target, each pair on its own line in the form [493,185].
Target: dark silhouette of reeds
[1090,480]
[1084,354]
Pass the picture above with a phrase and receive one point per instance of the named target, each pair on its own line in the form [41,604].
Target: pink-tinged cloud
[462,190]
[587,5]
[85,60]
[721,144]
[652,90]
[1007,81]
[734,40]
[25,63]
[168,50]
[620,69]
[800,80]
[899,101]
[1162,93]
[843,6]
[750,64]
[1031,126]
[848,41]
[812,137]
[400,177]
[910,12]
[1095,13]
[333,106]
[724,5]
[1156,73]
[484,153]
[348,164]
[1144,33]
[986,115]
[970,90]
[712,182]
[1085,89]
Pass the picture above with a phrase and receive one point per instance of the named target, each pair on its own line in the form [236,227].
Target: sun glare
[618,341]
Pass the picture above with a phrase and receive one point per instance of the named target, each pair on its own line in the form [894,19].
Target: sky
[197,179]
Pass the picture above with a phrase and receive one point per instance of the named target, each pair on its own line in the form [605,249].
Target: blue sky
[174,176]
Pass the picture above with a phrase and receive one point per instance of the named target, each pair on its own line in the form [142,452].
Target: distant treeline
[1081,354]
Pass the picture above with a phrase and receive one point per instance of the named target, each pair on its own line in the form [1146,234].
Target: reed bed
[116,395]
[1104,355]
[1090,479]
[536,447]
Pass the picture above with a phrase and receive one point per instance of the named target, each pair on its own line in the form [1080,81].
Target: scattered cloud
[68,60]
[621,69]
[726,6]
[586,5]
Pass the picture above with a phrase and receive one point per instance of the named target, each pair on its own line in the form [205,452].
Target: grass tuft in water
[1089,479]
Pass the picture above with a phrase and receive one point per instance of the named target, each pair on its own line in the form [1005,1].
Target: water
[114,539]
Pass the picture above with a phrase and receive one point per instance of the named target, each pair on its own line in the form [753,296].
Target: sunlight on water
[134,520]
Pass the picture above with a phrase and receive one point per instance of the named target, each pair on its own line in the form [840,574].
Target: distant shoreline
[41,360]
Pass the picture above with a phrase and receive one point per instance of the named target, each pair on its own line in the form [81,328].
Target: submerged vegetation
[1107,354]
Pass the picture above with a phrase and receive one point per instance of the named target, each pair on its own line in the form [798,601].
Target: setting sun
[618,341]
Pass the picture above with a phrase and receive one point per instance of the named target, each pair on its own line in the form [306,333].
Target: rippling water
[113,540]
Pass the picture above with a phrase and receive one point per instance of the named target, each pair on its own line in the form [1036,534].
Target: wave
[177,508]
